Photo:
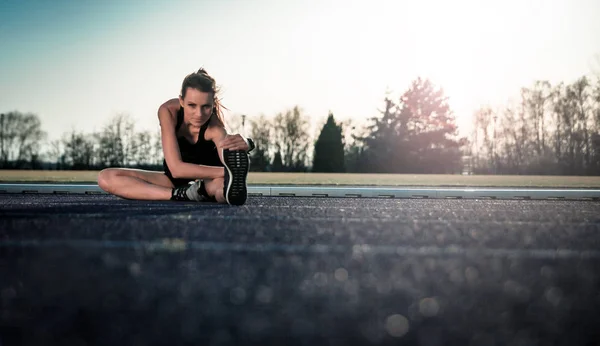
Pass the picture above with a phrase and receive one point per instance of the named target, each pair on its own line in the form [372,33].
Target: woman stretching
[202,161]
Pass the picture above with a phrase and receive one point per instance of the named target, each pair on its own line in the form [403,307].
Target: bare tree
[482,143]
[55,153]
[569,123]
[292,138]
[79,150]
[595,96]
[142,148]
[536,101]
[117,141]
[261,133]
[511,149]
[20,138]
[581,94]
[157,152]
[559,108]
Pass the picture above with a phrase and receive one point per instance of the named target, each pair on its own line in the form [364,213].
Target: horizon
[95,60]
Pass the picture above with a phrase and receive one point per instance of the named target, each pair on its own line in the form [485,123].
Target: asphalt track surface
[99,270]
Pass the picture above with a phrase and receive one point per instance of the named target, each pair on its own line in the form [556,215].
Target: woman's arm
[218,134]
[223,140]
[180,169]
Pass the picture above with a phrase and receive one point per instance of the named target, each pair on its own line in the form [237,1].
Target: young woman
[202,161]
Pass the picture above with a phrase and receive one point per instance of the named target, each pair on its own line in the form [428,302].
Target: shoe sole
[237,164]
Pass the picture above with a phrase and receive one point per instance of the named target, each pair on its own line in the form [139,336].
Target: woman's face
[197,106]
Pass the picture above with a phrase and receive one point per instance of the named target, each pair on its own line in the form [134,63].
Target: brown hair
[202,81]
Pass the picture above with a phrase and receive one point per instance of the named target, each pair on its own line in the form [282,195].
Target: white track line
[347,191]
[175,245]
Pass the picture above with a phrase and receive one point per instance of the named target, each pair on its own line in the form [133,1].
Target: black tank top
[202,152]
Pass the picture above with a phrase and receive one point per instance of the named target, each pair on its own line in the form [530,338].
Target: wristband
[251,144]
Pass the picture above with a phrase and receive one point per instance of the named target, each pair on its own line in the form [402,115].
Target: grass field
[256,178]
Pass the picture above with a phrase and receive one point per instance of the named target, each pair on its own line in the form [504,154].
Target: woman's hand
[234,142]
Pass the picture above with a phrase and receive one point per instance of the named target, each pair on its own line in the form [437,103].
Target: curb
[346,192]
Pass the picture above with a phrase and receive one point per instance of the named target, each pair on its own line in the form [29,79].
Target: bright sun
[465,47]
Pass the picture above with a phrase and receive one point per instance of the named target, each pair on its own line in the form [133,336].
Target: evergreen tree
[431,131]
[277,165]
[329,148]
[383,148]
[416,135]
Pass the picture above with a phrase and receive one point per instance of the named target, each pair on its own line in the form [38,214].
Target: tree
[431,129]
[79,150]
[56,154]
[116,142]
[20,138]
[329,148]
[559,107]
[596,122]
[157,152]
[261,135]
[292,139]
[481,142]
[277,165]
[354,147]
[536,100]
[384,150]
[142,147]
[554,130]
[579,93]
[416,135]
[511,142]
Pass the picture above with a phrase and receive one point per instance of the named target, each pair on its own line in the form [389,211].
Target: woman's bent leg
[135,184]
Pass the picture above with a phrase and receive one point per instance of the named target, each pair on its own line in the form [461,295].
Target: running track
[98,270]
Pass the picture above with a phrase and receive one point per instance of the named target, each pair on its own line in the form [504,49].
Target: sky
[78,63]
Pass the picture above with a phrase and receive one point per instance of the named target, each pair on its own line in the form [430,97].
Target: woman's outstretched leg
[214,189]
[136,184]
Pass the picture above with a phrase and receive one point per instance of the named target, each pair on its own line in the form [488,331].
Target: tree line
[549,130]
[23,145]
